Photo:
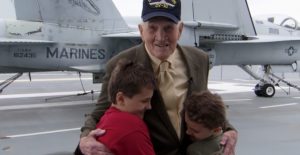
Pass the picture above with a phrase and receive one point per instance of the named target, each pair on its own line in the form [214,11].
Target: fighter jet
[61,35]
[230,36]
[82,35]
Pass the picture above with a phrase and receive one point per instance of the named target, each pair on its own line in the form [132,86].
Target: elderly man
[179,70]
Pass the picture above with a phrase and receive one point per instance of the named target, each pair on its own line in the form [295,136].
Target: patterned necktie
[164,75]
[166,86]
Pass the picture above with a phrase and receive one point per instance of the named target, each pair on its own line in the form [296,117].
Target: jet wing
[133,34]
[210,25]
[11,41]
[89,68]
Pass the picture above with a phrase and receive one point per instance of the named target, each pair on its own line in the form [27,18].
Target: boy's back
[130,91]
[125,128]
[209,146]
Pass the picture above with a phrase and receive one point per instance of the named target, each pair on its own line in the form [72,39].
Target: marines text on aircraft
[60,36]
[82,35]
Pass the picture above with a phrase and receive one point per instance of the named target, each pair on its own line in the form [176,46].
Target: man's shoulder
[194,55]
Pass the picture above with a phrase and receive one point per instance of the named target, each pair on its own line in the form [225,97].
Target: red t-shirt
[126,134]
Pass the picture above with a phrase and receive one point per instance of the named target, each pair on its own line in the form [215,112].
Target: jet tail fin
[87,14]
[232,16]
[7,10]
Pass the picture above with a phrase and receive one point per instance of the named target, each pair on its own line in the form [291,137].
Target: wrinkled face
[137,104]
[196,130]
[160,36]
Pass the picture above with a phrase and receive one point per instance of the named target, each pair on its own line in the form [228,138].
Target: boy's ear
[120,98]
[217,130]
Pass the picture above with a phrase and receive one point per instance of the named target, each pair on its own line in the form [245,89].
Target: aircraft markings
[291,50]
[24,55]
[76,53]
[90,6]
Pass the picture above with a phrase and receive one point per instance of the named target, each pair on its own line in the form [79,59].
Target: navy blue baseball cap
[170,9]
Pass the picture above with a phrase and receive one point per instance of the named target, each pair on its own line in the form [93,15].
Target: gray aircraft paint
[82,35]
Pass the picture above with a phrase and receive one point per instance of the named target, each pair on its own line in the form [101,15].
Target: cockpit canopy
[282,20]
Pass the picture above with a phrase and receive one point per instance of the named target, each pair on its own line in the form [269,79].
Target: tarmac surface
[34,122]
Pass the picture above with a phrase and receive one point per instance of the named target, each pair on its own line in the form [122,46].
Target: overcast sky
[257,7]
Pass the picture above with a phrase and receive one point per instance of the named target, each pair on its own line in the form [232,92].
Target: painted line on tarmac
[245,80]
[228,87]
[64,73]
[45,105]
[59,79]
[39,94]
[40,133]
[280,105]
[237,100]
[49,80]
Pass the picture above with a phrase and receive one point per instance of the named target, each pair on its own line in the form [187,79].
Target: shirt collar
[156,62]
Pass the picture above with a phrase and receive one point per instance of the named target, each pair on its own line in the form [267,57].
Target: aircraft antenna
[10,80]
[40,13]
[81,82]
[79,94]
[29,75]
[193,10]
[195,42]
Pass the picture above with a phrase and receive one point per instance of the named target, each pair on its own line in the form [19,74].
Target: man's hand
[229,140]
[90,146]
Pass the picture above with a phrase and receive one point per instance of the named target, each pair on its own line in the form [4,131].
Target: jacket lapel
[192,69]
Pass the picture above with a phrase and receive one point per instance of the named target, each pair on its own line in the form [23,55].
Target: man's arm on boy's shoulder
[229,139]
[90,146]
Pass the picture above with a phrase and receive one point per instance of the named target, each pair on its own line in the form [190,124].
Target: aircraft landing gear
[268,81]
[265,90]
[8,81]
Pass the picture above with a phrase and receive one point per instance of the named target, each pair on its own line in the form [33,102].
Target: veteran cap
[170,9]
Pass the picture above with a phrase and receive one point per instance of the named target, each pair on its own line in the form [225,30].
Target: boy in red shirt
[130,90]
